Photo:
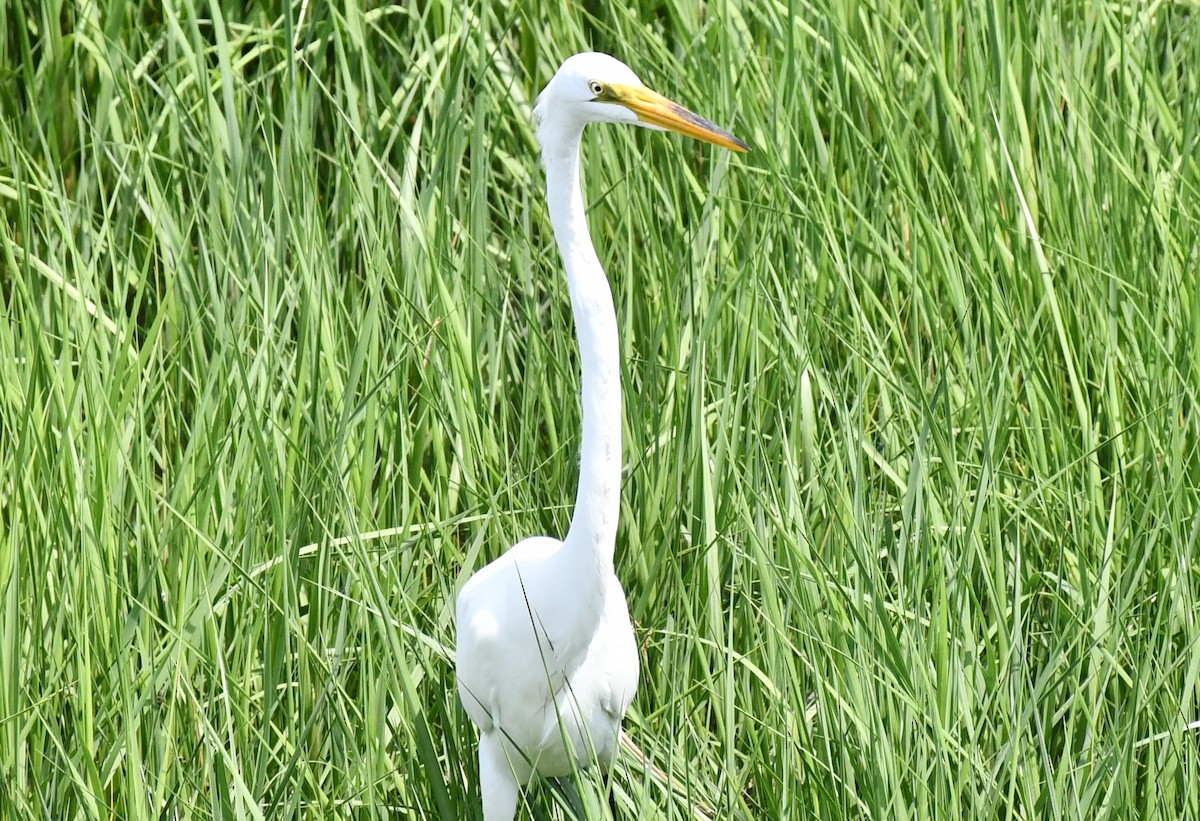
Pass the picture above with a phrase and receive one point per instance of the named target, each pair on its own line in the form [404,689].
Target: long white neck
[593,530]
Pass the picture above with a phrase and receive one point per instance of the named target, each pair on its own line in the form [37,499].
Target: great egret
[546,659]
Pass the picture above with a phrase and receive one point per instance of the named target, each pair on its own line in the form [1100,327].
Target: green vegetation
[911,511]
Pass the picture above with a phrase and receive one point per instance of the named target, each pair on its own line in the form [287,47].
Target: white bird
[546,659]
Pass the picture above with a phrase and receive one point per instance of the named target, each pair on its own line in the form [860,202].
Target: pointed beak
[654,109]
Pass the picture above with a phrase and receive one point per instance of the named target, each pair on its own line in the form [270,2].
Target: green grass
[910,517]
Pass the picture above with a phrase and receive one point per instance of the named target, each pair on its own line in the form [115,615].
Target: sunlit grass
[910,518]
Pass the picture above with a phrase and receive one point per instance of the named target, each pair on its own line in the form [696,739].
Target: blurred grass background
[910,514]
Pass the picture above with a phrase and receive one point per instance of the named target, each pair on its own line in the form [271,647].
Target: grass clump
[910,517]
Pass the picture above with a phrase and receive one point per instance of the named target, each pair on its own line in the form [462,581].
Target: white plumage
[546,659]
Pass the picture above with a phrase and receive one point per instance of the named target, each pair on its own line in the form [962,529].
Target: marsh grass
[910,513]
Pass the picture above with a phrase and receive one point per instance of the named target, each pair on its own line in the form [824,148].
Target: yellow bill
[654,109]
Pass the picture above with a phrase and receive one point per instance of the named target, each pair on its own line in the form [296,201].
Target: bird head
[597,88]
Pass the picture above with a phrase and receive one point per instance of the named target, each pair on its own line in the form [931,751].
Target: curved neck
[597,502]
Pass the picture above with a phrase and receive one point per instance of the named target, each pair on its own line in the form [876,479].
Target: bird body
[546,659]
[544,681]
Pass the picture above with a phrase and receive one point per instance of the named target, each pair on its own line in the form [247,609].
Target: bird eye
[596,88]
